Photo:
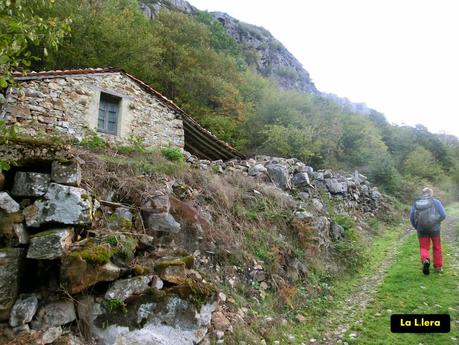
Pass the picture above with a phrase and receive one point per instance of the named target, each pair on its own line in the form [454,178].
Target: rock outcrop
[272,59]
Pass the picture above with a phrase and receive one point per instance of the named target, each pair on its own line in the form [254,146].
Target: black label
[420,323]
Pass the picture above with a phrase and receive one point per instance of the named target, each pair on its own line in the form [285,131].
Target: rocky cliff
[269,55]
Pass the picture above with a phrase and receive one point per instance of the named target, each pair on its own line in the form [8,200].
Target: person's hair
[427,191]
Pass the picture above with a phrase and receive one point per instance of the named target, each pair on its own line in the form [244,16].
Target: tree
[111,33]
[422,163]
[21,27]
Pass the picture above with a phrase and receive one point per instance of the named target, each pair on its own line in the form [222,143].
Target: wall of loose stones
[69,105]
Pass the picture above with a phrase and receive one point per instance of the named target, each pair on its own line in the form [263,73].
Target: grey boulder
[336,187]
[123,289]
[279,175]
[164,222]
[8,204]
[55,314]
[30,184]
[23,310]
[301,180]
[49,245]
[61,204]
[10,261]
[68,173]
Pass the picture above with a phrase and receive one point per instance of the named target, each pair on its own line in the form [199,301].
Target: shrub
[93,141]
[173,154]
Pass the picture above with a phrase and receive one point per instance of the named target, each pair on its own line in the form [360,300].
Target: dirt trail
[364,292]
[359,299]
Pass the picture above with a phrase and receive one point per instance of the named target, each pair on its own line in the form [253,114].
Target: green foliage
[93,141]
[22,27]
[349,250]
[290,142]
[173,154]
[421,163]
[115,305]
[219,38]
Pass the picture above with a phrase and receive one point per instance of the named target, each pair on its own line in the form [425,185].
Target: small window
[108,113]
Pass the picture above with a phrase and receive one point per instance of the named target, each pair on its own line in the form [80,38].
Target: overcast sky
[400,57]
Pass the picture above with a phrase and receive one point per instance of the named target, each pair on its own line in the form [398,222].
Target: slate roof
[198,140]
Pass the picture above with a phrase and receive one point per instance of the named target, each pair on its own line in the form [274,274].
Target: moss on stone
[44,233]
[187,261]
[197,292]
[95,254]
[163,264]
[6,250]
[115,305]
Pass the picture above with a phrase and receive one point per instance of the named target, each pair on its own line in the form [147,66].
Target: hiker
[426,215]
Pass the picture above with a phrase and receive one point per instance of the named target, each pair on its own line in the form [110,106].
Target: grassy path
[406,290]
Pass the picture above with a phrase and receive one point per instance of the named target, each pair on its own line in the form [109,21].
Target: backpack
[426,216]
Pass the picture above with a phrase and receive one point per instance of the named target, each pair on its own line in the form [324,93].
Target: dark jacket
[436,230]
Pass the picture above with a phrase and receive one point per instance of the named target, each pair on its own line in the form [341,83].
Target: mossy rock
[95,254]
[187,261]
[197,292]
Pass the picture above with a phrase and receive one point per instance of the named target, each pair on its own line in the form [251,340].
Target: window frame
[111,102]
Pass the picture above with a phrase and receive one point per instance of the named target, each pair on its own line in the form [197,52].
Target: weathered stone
[303,215]
[10,261]
[7,203]
[159,221]
[279,175]
[68,173]
[322,226]
[21,233]
[336,231]
[157,283]
[257,169]
[174,322]
[88,311]
[123,289]
[375,195]
[51,335]
[174,274]
[220,321]
[55,314]
[61,204]
[300,180]
[336,187]
[23,310]
[77,275]
[159,202]
[121,219]
[319,176]
[51,244]
[30,184]
[317,204]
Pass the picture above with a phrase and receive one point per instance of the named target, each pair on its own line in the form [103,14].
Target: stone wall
[70,105]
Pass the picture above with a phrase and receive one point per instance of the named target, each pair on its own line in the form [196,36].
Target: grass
[406,290]
[315,300]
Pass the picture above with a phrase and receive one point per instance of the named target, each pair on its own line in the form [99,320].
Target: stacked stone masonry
[70,105]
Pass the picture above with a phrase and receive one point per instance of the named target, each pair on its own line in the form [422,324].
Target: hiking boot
[425,266]
[438,270]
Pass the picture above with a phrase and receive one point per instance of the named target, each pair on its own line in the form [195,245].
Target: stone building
[110,101]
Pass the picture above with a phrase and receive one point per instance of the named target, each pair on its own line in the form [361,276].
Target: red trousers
[424,249]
